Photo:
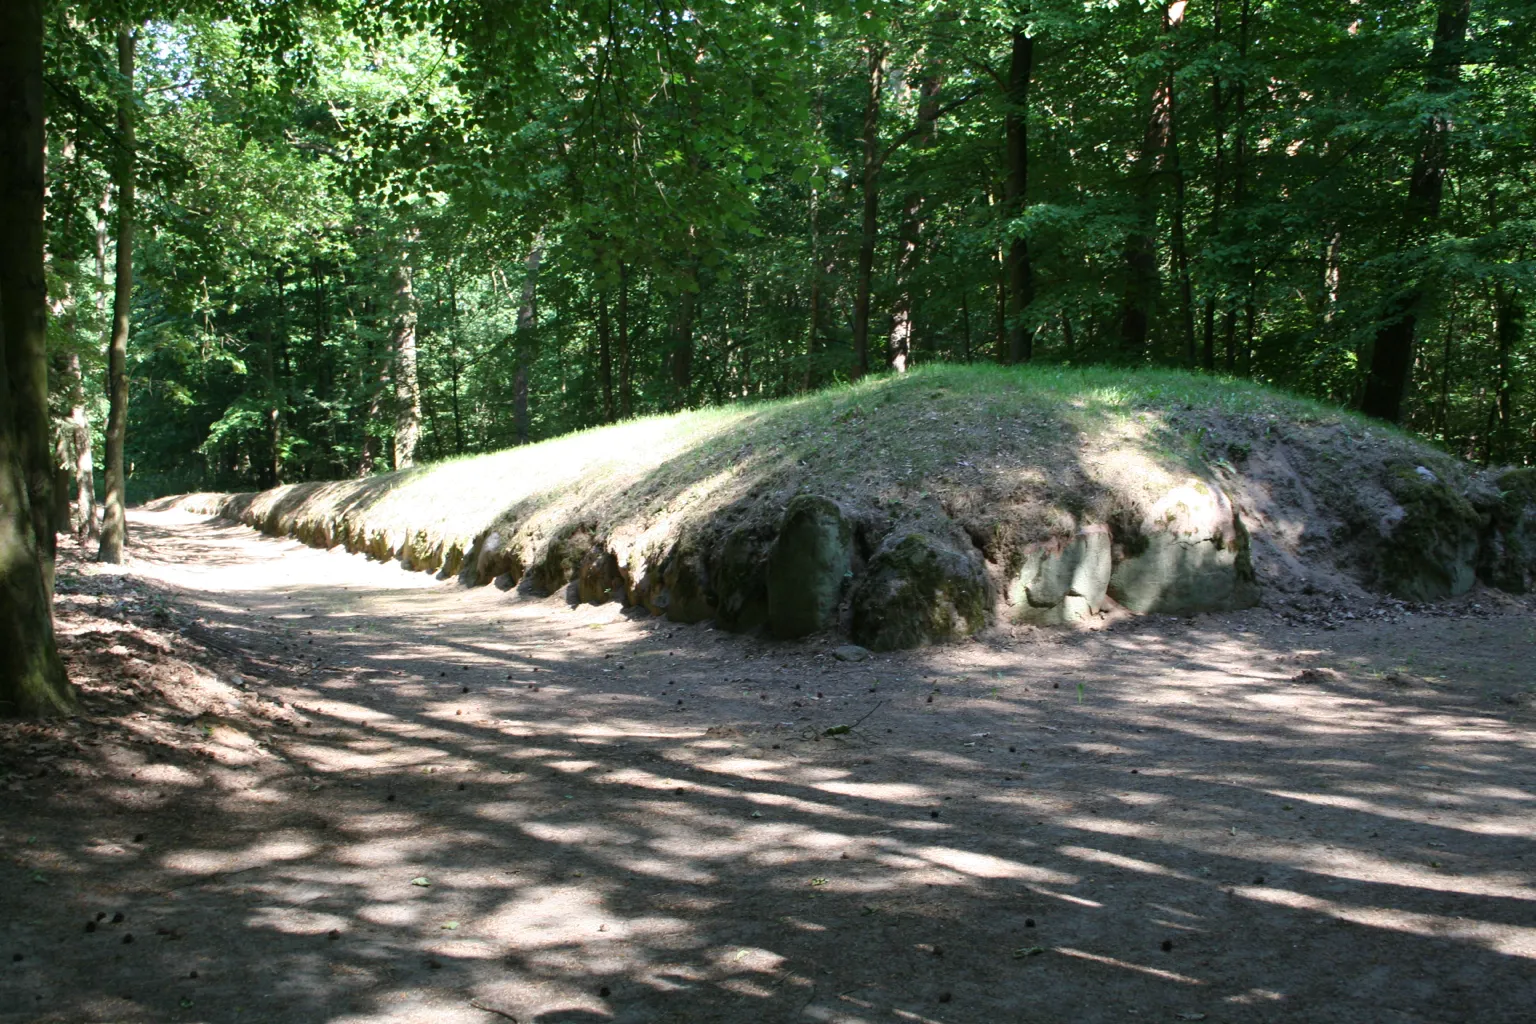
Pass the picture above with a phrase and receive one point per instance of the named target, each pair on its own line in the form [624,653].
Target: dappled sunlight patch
[1509,939]
[1125,965]
[208,862]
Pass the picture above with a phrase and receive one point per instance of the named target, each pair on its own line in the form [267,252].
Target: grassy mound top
[1006,457]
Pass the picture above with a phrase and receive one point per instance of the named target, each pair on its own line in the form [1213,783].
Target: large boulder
[1507,556]
[807,566]
[599,577]
[919,589]
[1063,580]
[1187,554]
[675,582]
[492,556]
[740,578]
[1428,540]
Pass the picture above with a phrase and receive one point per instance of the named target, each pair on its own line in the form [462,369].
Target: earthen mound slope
[917,509]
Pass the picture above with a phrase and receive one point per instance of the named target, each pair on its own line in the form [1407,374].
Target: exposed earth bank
[918,509]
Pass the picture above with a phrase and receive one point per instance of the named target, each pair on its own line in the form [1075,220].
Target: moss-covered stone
[560,560]
[1188,554]
[1429,541]
[740,578]
[1507,552]
[919,589]
[807,567]
[599,578]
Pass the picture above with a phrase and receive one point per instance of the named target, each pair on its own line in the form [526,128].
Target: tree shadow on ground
[1157,822]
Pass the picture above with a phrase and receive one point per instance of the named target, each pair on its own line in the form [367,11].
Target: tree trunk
[1391,366]
[32,680]
[605,355]
[910,234]
[23,279]
[114,525]
[682,345]
[80,436]
[1140,253]
[1508,328]
[1019,272]
[1218,183]
[403,344]
[1180,241]
[527,322]
[626,370]
[870,224]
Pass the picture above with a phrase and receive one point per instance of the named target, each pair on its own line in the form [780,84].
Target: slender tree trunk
[605,356]
[403,353]
[114,525]
[1240,187]
[1508,329]
[1218,183]
[682,345]
[1019,272]
[1140,253]
[80,436]
[626,370]
[870,224]
[1391,366]
[526,340]
[910,234]
[1180,241]
[965,324]
[32,680]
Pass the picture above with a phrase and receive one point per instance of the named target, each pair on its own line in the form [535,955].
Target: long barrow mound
[917,509]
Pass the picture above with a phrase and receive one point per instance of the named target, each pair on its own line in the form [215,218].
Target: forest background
[368,234]
[306,240]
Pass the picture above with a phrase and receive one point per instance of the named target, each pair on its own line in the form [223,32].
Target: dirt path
[322,789]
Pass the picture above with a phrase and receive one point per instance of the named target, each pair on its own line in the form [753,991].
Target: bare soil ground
[315,788]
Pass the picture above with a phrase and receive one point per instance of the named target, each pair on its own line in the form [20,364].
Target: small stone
[139,838]
[333,934]
[850,652]
[128,939]
[118,918]
[17,958]
[1029,922]
[604,992]
[945,997]
[90,926]
[1167,945]
[192,974]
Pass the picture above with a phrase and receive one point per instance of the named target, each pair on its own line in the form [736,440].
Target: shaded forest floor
[316,788]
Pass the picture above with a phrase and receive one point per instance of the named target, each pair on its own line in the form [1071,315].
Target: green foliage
[693,179]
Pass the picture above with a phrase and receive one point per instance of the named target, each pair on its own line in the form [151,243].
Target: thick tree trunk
[403,345]
[910,235]
[22,275]
[1019,272]
[114,525]
[870,223]
[1391,367]
[32,680]
[525,341]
